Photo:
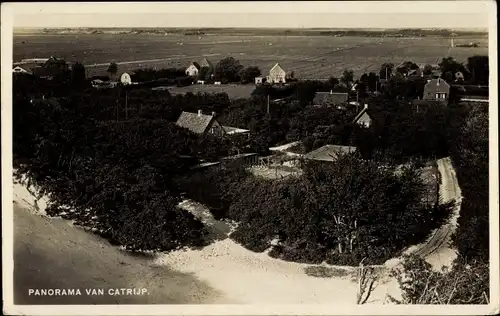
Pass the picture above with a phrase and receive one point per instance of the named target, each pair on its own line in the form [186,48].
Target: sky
[327,14]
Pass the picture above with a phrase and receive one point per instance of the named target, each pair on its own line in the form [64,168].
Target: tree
[463,283]
[478,67]
[228,70]
[112,69]
[249,74]
[449,64]
[427,71]
[386,70]
[373,82]
[78,73]
[347,77]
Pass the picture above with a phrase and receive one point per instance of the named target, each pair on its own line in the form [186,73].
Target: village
[219,167]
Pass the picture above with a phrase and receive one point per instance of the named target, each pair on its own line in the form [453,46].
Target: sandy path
[51,253]
[437,249]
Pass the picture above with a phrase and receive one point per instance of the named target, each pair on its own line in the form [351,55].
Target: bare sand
[222,272]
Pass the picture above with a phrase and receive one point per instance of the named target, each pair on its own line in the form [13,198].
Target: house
[329,152]
[125,79]
[330,98]
[21,70]
[436,90]
[200,123]
[363,118]
[193,69]
[259,80]
[277,74]
[205,63]
[459,76]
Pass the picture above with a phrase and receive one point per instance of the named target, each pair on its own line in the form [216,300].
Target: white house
[21,70]
[125,79]
[193,69]
[276,74]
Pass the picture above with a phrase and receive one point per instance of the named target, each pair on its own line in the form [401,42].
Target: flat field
[310,57]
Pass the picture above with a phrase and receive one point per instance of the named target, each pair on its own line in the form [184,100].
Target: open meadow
[309,57]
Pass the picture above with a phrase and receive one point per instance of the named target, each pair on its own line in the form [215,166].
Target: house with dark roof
[436,90]
[329,152]
[364,118]
[205,63]
[200,123]
[330,98]
[193,69]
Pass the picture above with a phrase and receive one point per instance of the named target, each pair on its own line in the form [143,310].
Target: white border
[10,11]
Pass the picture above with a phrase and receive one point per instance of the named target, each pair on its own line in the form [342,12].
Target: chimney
[213,113]
[366,106]
[199,112]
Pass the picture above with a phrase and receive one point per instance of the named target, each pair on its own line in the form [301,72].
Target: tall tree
[386,70]
[78,73]
[478,67]
[347,77]
[228,70]
[249,74]
[112,69]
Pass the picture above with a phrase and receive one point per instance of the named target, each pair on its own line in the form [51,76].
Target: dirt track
[436,249]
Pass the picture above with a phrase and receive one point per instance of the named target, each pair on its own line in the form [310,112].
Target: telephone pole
[268,104]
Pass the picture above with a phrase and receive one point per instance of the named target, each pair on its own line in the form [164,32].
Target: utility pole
[126,105]
[268,104]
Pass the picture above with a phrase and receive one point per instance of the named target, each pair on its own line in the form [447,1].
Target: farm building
[364,118]
[259,80]
[329,152]
[459,76]
[43,67]
[436,90]
[205,63]
[193,69]
[330,98]
[277,74]
[200,123]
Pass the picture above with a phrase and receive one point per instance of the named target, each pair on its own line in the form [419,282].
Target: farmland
[310,57]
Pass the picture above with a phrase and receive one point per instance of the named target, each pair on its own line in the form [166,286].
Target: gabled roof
[330,98]
[360,114]
[276,67]
[437,84]
[196,65]
[196,122]
[329,152]
[206,63]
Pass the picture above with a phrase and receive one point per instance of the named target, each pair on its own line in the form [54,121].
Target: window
[440,95]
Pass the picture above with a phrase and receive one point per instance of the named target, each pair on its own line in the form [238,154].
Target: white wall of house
[192,70]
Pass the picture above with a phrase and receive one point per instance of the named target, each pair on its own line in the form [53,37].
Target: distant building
[459,76]
[200,123]
[125,79]
[193,69]
[415,73]
[21,70]
[330,98]
[436,90]
[259,80]
[45,68]
[205,63]
[329,152]
[363,118]
[277,74]
[246,159]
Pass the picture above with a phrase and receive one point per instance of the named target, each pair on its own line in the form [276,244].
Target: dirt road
[50,253]
[436,250]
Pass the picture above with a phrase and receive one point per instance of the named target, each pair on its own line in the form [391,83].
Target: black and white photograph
[250,158]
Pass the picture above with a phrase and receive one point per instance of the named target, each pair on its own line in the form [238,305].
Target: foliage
[464,283]
[347,77]
[112,69]
[78,73]
[386,70]
[478,67]
[248,74]
[228,70]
